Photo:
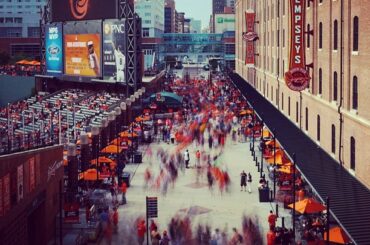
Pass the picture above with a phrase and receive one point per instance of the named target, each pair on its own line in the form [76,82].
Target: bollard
[283,222]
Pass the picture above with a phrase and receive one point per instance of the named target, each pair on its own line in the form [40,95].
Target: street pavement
[223,211]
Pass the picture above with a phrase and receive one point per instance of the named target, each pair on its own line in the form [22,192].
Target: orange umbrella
[308,206]
[245,112]
[112,149]
[279,159]
[22,62]
[115,141]
[142,119]
[337,235]
[103,160]
[266,134]
[287,169]
[127,134]
[271,142]
[90,175]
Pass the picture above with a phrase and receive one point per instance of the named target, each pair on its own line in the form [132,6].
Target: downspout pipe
[340,106]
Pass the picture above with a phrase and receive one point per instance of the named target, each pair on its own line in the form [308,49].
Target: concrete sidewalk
[222,211]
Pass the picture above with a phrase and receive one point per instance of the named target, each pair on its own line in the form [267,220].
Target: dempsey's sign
[297,77]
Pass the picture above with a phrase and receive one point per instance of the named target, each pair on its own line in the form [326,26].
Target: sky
[197,9]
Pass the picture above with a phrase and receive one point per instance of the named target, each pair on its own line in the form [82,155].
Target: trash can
[138,158]
[126,178]
[264,194]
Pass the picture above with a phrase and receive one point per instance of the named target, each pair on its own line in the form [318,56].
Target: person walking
[124,190]
[156,236]
[249,182]
[197,156]
[141,229]
[165,239]
[272,220]
[243,181]
[187,158]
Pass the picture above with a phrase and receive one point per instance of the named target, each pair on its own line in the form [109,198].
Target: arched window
[354,93]
[353,154]
[318,128]
[308,34]
[335,38]
[320,35]
[333,138]
[335,86]
[320,81]
[355,33]
[306,112]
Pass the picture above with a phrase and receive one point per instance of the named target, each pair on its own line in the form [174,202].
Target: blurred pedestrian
[124,190]
[155,236]
[272,220]
[165,239]
[141,229]
[187,158]
[197,156]
[249,182]
[243,181]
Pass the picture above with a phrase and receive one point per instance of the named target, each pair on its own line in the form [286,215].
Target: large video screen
[82,49]
[114,50]
[54,49]
[82,55]
[74,10]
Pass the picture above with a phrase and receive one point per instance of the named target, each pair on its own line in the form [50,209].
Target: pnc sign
[297,78]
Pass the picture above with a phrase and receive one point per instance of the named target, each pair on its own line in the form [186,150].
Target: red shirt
[271,238]
[141,229]
[272,219]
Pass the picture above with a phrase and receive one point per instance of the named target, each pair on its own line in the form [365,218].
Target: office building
[169,16]
[195,26]
[180,18]
[151,13]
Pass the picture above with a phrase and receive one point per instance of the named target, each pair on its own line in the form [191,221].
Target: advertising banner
[82,55]
[54,49]
[1,198]
[70,10]
[297,77]
[32,174]
[250,36]
[114,50]
[20,182]
[6,193]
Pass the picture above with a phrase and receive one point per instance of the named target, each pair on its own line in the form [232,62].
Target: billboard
[114,50]
[250,36]
[297,78]
[224,23]
[82,55]
[54,49]
[73,10]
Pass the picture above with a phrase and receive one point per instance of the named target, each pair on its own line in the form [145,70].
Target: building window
[355,33]
[354,93]
[145,32]
[335,86]
[353,154]
[320,35]
[308,34]
[296,112]
[272,93]
[333,138]
[282,101]
[308,3]
[289,105]
[335,39]
[320,81]
[306,111]
[318,128]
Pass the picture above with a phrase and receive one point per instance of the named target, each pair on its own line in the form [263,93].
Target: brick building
[333,111]
[29,195]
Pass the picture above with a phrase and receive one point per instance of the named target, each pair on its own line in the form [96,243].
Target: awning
[349,199]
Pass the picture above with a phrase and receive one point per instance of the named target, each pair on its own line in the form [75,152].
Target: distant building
[152,14]
[230,4]
[195,26]
[180,17]
[218,6]
[169,16]
[187,25]
[19,19]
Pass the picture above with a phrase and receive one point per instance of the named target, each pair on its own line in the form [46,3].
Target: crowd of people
[19,70]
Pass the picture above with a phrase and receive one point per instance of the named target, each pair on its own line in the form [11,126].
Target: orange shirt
[271,238]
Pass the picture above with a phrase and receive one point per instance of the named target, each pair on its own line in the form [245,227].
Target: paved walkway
[219,211]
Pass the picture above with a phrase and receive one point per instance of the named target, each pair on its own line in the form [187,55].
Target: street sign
[152,207]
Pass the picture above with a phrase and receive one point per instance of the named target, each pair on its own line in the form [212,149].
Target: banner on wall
[6,193]
[82,55]
[54,49]
[250,36]
[297,78]
[20,185]
[114,50]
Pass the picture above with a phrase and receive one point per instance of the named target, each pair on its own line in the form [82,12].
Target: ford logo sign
[53,50]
